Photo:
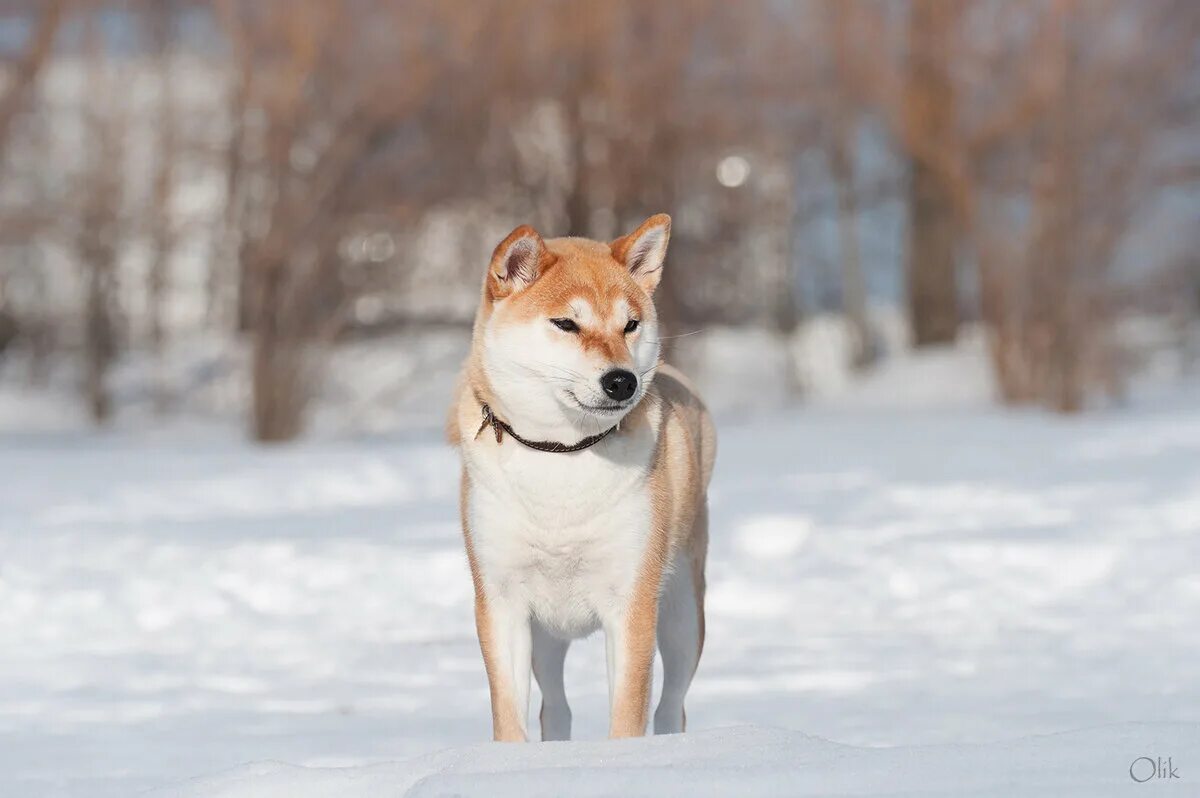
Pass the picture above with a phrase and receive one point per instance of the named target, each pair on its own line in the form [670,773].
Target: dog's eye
[631,326]
[566,325]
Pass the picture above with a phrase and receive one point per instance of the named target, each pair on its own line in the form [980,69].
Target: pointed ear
[644,250]
[516,262]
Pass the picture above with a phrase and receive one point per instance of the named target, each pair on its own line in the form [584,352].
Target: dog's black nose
[619,384]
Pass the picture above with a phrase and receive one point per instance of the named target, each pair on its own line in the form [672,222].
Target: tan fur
[505,724]
[680,469]
[569,268]
[679,477]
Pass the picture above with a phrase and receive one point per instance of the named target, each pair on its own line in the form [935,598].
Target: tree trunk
[99,337]
[932,233]
[278,385]
[24,74]
[854,286]
[162,233]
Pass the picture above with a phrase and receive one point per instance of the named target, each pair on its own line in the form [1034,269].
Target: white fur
[647,253]
[535,369]
[583,312]
[560,535]
[558,538]
[679,642]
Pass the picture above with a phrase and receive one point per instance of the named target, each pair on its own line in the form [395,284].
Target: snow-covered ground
[930,580]
[748,761]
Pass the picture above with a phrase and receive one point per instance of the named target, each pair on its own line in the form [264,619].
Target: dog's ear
[644,250]
[516,262]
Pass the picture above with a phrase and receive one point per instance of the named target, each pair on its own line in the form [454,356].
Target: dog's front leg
[629,642]
[505,639]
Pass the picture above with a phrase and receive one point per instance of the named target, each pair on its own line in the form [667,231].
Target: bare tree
[842,144]
[1032,132]
[1033,115]
[99,224]
[930,100]
[29,66]
[21,80]
[1092,157]
[159,217]
[324,93]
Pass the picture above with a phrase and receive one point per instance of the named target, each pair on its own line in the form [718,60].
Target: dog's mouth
[610,408]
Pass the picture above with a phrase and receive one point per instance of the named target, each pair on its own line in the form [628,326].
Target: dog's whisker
[662,338]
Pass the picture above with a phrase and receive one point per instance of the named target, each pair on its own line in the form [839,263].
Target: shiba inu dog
[586,465]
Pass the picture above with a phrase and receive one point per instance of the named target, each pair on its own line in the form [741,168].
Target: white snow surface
[751,761]
[931,588]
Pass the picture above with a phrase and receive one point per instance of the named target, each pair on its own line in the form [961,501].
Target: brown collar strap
[490,420]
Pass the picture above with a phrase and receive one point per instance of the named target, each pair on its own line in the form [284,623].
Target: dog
[585,471]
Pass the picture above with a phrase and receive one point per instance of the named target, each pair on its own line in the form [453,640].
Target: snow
[749,761]
[932,587]
[957,376]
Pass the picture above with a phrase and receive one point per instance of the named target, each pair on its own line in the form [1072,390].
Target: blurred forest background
[280,210]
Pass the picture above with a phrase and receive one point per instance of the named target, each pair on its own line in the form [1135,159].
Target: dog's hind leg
[681,630]
[549,653]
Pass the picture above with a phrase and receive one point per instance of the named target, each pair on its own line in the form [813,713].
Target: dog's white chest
[563,535]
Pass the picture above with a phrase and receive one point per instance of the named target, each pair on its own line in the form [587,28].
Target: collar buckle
[489,418]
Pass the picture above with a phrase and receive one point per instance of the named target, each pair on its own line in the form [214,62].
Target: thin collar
[500,427]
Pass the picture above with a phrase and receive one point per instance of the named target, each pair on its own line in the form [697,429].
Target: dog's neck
[532,412]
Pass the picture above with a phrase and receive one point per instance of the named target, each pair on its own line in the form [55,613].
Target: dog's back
[686,452]
[689,412]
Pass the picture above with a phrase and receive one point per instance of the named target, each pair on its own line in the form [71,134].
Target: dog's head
[567,332]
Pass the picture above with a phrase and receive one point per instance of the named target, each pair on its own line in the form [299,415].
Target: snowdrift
[1163,759]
